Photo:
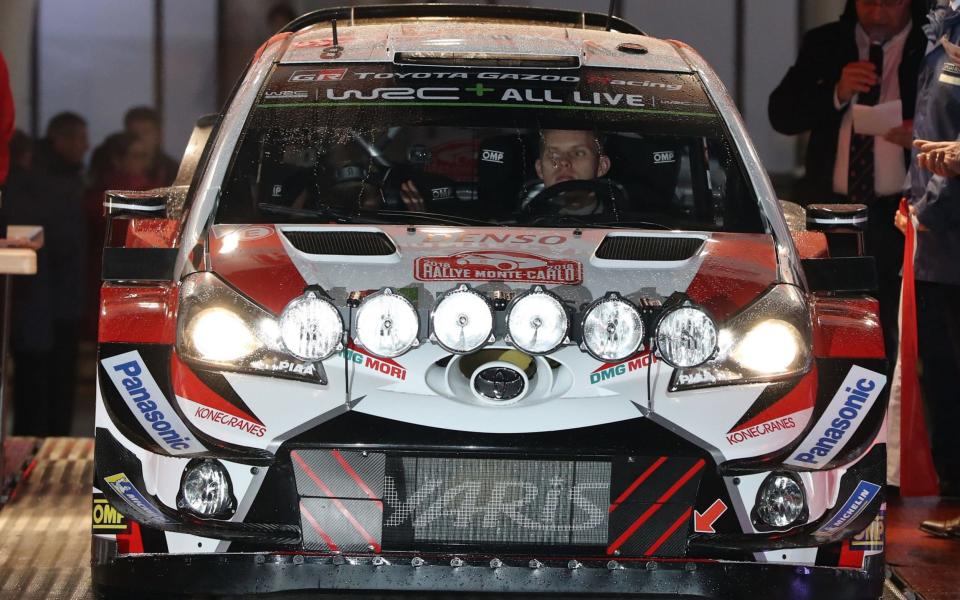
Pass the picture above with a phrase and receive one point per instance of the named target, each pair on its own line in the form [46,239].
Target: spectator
[48,306]
[935,202]
[119,163]
[144,122]
[870,56]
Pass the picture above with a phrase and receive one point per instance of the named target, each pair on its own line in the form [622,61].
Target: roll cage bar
[349,15]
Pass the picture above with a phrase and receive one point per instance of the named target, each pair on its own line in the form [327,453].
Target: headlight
[205,490]
[219,335]
[463,321]
[537,322]
[769,340]
[780,501]
[612,329]
[686,337]
[387,324]
[311,328]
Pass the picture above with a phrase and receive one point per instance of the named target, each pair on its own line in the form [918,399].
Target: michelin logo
[122,485]
[148,404]
[846,412]
[858,501]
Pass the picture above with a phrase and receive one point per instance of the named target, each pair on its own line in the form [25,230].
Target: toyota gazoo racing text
[371,346]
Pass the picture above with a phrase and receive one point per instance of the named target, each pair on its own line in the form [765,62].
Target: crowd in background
[55,310]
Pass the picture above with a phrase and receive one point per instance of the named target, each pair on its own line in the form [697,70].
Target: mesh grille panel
[343,243]
[648,248]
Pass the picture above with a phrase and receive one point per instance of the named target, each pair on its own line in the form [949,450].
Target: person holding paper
[866,64]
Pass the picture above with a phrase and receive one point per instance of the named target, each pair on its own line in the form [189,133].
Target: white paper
[877,120]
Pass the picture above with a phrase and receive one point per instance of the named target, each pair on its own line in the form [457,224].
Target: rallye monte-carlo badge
[498,265]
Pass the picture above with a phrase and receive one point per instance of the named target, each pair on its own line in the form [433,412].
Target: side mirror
[843,224]
[133,205]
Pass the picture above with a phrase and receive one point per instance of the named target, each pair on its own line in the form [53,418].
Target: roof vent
[341,243]
[648,248]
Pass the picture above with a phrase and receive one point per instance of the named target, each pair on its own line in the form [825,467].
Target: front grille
[623,247]
[342,243]
[399,501]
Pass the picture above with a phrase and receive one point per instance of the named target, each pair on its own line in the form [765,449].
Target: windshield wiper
[436,217]
[376,216]
[640,224]
[305,213]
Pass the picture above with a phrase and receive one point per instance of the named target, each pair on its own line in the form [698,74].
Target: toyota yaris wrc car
[482,299]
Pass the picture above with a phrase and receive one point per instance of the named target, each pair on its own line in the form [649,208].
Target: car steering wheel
[604,189]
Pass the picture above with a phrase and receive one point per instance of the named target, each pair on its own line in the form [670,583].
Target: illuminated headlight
[769,347]
[612,329]
[780,501]
[387,324]
[462,321]
[311,328]
[686,337]
[537,322]
[220,335]
[205,490]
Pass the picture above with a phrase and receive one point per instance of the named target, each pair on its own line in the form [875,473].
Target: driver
[565,155]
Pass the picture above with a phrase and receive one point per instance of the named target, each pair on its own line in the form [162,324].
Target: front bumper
[240,574]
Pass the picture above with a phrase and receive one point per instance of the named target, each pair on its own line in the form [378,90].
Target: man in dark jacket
[836,69]
[47,307]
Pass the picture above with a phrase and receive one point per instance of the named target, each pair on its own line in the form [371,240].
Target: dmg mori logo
[664,156]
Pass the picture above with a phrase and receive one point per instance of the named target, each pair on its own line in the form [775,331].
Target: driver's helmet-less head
[571,155]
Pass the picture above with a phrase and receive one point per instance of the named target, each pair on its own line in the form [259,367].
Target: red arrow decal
[703,523]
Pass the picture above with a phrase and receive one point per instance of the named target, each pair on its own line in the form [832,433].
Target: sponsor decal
[106,517]
[222,418]
[442,193]
[610,371]
[310,75]
[644,83]
[950,74]
[493,238]
[286,95]
[466,75]
[493,156]
[858,501]
[663,157]
[277,190]
[384,366]
[249,233]
[844,415]
[142,395]
[122,485]
[748,433]
[492,265]
[871,540]
[703,522]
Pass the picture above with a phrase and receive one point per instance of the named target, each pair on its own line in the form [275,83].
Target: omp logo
[147,403]
[122,485]
[494,156]
[441,193]
[307,75]
[106,517]
[664,156]
[844,415]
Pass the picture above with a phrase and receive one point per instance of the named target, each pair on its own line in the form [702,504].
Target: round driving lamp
[311,328]
[686,337]
[612,329]
[537,322]
[462,322]
[206,491]
[387,324]
[780,501]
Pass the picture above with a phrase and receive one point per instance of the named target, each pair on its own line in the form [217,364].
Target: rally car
[364,347]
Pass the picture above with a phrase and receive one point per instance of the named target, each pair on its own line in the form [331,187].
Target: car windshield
[384,143]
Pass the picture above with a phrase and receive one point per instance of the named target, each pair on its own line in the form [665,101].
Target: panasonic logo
[844,415]
[142,395]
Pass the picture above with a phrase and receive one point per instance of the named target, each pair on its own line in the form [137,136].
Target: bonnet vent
[343,243]
[622,247]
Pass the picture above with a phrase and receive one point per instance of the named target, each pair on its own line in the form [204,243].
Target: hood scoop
[341,243]
[648,248]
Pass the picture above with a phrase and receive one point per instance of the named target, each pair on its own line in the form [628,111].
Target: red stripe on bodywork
[736,269]
[633,486]
[145,315]
[336,502]
[316,527]
[847,328]
[656,506]
[353,474]
[259,267]
[187,385]
[801,397]
[666,534]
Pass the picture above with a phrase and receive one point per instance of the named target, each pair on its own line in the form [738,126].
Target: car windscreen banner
[366,93]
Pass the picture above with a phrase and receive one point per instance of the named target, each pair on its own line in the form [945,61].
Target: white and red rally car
[308,381]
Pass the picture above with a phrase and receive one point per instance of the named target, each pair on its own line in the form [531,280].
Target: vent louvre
[343,243]
[648,248]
